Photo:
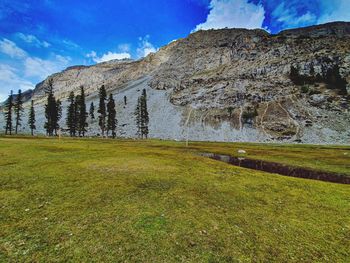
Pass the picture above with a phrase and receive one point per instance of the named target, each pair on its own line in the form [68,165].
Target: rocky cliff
[229,85]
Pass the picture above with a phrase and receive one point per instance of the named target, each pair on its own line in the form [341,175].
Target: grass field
[157,201]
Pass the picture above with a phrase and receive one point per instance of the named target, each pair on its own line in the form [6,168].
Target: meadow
[103,200]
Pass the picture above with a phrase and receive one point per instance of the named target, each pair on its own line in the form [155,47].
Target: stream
[278,168]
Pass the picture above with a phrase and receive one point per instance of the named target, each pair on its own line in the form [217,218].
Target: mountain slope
[230,84]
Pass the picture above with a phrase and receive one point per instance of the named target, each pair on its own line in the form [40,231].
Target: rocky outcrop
[231,84]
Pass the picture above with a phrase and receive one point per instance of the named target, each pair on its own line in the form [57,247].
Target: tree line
[76,116]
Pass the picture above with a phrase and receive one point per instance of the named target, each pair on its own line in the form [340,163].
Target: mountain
[228,85]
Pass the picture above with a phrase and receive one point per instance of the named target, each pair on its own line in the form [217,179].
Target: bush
[249,115]
[305,89]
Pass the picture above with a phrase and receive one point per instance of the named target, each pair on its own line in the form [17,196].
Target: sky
[42,37]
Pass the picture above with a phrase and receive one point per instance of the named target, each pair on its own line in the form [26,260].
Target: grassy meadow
[101,200]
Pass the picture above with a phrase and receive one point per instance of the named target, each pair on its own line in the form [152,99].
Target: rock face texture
[228,85]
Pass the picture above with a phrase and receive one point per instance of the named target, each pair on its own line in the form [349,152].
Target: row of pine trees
[76,119]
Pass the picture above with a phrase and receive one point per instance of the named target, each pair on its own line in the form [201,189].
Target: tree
[334,79]
[31,119]
[111,116]
[8,114]
[18,110]
[102,109]
[141,115]
[53,111]
[71,115]
[57,115]
[144,114]
[92,111]
[82,114]
[294,75]
[138,117]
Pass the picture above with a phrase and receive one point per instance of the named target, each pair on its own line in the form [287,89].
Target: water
[282,169]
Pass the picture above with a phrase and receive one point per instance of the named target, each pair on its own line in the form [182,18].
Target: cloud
[70,44]
[10,80]
[145,47]
[10,48]
[334,10]
[285,14]
[233,14]
[108,56]
[293,14]
[92,54]
[31,39]
[36,67]
[124,47]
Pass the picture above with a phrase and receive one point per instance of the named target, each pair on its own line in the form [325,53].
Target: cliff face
[231,84]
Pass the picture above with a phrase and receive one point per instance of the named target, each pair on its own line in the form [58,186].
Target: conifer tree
[92,111]
[18,110]
[141,115]
[53,111]
[8,114]
[137,114]
[76,112]
[50,107]
[31,119]
[71,115]
[111,116]
[144,114]
[82,114]
[57,115]
[102,109]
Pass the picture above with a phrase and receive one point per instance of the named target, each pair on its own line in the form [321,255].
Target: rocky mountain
[228,85]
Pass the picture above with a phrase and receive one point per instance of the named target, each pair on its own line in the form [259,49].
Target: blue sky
[41,37]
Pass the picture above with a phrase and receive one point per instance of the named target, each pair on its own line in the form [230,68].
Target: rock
[191,83]
[192,243]
[241,151]
[317,99]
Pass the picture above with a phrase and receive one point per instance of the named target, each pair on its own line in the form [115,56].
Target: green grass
[156,201]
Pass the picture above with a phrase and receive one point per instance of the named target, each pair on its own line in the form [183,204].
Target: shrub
[305,89]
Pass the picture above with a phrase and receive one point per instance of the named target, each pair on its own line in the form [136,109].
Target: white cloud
[10,80]
[31,39]
[10,48]
[289,17]
[145,47]
[92,54]
[36,67]
[124,47]
[70,44]
[233,14]
[108,56]
[334,10]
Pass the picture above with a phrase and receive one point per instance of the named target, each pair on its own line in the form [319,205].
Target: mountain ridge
[231,84]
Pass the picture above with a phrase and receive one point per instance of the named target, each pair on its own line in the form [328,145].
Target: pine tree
[141,115]
[8,114]
[82,114]
[111,116]
[137,114]
[71,115]
[18,110]
[92,111]
[53,111]
[31,119]
[57,115]
[76,112]
[144,114]
[50,107]
[102,109]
